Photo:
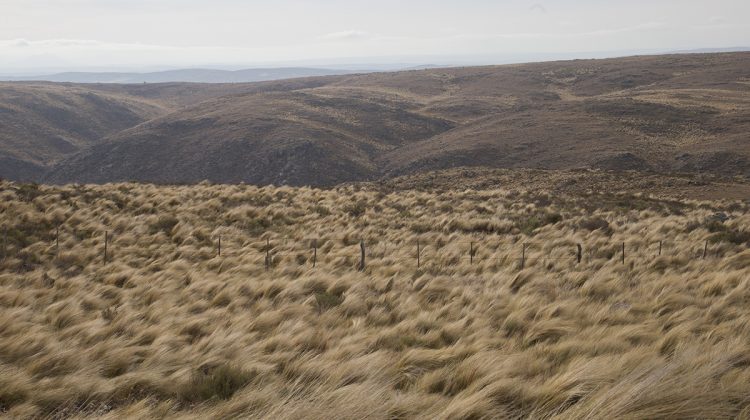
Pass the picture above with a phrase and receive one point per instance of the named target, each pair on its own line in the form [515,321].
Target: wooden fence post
[362,254]
[219,248]
[268,253]
[315,251]
[579,255]
[623,252]
[57,240]
[705,250]
[523,257]
[660,245]
[471,253]
[106,241]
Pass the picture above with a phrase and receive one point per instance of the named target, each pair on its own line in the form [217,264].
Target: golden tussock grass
[167,328]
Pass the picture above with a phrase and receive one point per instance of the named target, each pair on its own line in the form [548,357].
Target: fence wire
[272,250]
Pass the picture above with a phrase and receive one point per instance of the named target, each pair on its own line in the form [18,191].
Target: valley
[651,114]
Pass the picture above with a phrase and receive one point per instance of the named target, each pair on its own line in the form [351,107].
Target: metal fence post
[268,253]
[705,250]
[315,251]
[362,255]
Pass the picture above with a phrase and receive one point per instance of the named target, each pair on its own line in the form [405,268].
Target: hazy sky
[128,33]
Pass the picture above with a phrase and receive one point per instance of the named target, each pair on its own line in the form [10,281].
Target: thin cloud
[76,43]
[538,8]
[345,35]
[542,35]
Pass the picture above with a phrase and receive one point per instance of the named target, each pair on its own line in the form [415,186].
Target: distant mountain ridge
[663,114]
[658,114]
[711,50]
[186,76]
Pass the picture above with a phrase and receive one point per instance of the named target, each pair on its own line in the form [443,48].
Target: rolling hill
[185,75]
[673,113]
[42,123]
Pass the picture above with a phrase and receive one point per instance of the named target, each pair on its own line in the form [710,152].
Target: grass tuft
[219,383]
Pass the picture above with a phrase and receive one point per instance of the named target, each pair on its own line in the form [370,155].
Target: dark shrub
[528,226]
[218,383]
[594,223]
[164,224]
[356,209]
[326,300]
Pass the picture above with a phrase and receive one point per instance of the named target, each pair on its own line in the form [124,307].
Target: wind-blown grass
[169,328]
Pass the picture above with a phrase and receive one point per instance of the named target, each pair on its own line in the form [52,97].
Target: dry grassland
[170,329]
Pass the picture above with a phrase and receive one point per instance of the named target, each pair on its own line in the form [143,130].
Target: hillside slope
[42,123]
[278,137]
[655,113]
[187,75]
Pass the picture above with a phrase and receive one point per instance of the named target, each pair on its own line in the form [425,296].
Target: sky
[130,34]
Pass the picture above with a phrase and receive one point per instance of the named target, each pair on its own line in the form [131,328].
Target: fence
[272,251]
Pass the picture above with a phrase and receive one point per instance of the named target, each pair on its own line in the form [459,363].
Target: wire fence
[272,251]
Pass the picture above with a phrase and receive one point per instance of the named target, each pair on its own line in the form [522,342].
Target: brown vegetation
[167,328]
[675,113]
[42,123]
[703,186]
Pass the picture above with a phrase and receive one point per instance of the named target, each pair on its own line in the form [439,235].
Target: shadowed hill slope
[277,137]
[657,113]
[41,123]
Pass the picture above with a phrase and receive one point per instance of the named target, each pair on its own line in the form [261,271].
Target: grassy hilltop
[167,327]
